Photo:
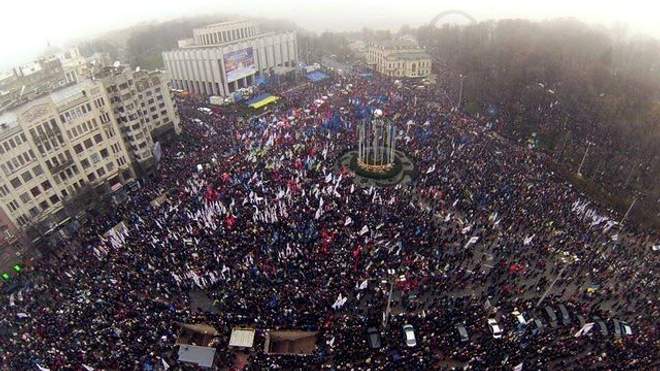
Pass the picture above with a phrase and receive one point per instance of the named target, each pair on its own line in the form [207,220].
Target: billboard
[239,63]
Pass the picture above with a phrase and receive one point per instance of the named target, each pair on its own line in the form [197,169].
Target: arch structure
[446,13]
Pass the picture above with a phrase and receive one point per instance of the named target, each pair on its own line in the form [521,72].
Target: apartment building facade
[94,134]
[53,146]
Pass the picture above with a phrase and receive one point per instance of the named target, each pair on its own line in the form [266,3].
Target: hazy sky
[27,25]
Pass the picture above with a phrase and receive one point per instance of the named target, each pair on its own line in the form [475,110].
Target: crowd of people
[257,215]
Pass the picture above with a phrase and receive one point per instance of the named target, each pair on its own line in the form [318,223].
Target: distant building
[224,57]
[399,58]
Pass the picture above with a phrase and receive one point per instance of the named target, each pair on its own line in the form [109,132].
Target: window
[25,197]
[88,143]
[98,138]
[78,148]
[35,191]
[110,166]
[84,163]
[54,199]
[91,177]
[104,153]
[101,172]
[95,158]
[64,193]
[15,183]
[26,176]
[43,205]
[46,185]
[13,205]
[37,170]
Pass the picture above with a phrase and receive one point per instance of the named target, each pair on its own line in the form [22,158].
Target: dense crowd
[275,233]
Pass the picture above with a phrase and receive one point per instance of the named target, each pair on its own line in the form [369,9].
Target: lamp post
[460,93]
[579,171]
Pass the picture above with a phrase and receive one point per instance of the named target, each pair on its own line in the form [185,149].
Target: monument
[377,160]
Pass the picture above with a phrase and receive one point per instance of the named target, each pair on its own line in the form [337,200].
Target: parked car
[409,334]
[552,316]
[495,329]
[462,333]
[622,328]
[601,325]
[537,326]
[373,336]
[565,317]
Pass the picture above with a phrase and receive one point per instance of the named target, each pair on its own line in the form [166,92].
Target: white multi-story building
[142,104]
[52,146]
[94,133]
[224,57]
[399,58]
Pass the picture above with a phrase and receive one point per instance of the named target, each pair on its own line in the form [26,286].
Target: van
[373,337]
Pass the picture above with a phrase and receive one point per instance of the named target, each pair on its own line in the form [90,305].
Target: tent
[317,76]
[242,337]
[201,356]
[261,100]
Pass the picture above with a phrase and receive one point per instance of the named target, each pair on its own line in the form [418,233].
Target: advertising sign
[239,63]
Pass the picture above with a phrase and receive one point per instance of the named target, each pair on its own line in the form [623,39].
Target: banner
[239,63]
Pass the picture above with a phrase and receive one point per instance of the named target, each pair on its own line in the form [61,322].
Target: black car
[462,333]
[552,316]
[602,327]
[373,336]
[565,317]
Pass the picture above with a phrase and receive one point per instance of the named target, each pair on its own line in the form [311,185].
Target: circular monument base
[401,170]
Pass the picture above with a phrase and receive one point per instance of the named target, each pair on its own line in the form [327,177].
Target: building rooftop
[409,55]
[224,23]
[72,92]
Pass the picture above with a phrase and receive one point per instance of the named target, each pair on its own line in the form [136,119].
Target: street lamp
[460,93]
[579,171]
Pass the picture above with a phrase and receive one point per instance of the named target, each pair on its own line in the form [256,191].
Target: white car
[409,333]
[495,329]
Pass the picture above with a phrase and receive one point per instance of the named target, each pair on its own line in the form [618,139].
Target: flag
[88,368]
[41,368]
[528,240]
[585,329]
[364,230]
[363,285]
[165,365]
[471,241]
[518,367]
[430,169]
[348,221]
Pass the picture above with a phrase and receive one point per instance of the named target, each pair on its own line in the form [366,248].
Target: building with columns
[224,57]
[399,58]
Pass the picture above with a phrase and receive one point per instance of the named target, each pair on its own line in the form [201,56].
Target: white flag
[364,230]
[348,221]
[41,368]
[363,285]
[518,367]
[528,240]
[472,240]
[585,329]
[431,169]
[88,368]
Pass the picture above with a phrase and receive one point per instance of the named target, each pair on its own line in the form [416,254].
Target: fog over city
[350,185]
[28,26]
